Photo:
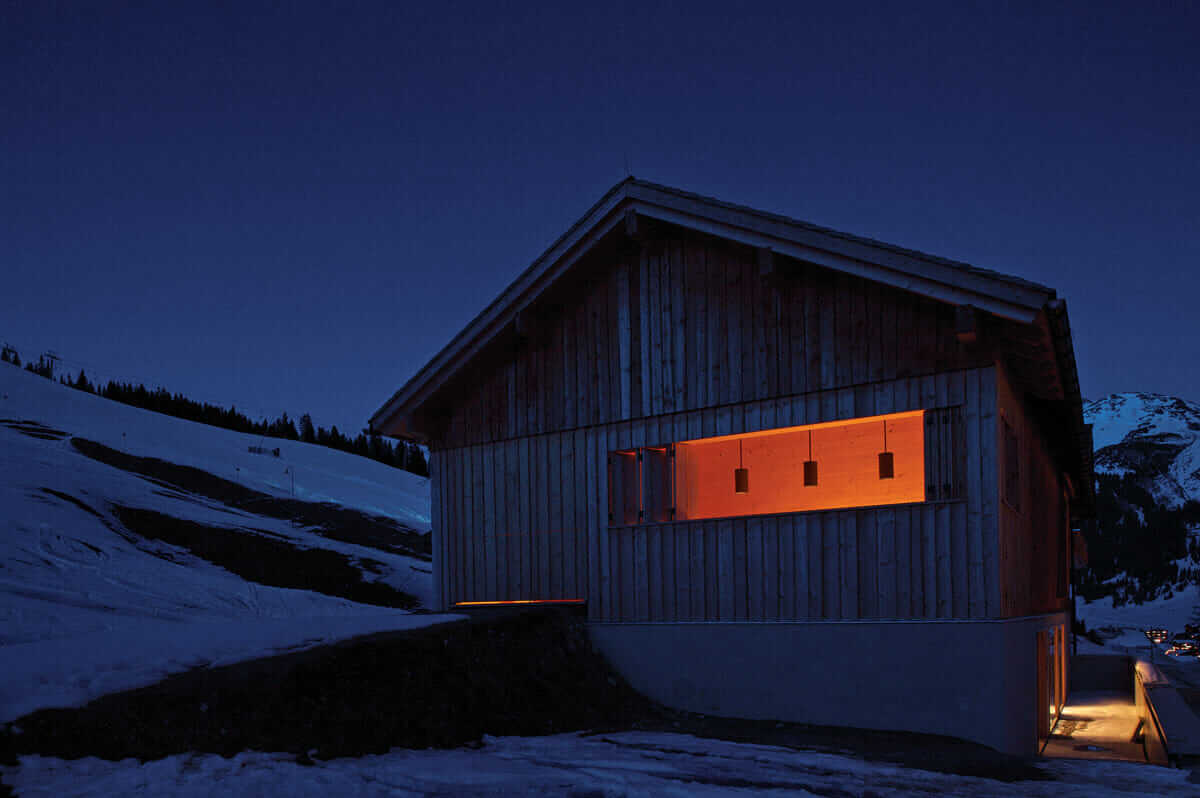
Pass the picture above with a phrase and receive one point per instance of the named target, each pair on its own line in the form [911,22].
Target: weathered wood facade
[661,318]
[545,531]
[687,337]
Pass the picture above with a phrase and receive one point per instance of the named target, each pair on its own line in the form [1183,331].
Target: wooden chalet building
[792,473]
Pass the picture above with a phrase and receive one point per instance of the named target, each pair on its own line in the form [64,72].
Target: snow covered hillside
[134,545]
[1152,436]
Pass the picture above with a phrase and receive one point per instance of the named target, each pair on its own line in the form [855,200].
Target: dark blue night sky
[292,207]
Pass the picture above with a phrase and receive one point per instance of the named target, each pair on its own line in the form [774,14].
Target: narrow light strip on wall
[517,601]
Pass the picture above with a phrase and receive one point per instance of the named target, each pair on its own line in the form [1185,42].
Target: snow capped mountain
[1152,437]
[1144,547]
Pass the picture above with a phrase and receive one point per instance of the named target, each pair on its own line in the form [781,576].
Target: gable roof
[928,275]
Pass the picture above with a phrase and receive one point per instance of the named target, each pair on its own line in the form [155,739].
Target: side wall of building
[527,518]
[1035,521]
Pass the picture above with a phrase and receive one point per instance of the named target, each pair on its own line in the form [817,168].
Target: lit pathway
[1097,724]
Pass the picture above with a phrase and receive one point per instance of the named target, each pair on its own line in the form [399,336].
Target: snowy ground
[87,608]
[626,764]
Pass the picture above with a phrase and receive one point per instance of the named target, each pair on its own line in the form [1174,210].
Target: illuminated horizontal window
[862,462]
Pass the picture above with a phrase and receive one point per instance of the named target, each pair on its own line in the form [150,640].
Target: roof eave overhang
[870,260]
[1079,432]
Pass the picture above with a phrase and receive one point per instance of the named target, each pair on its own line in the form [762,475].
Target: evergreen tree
[415,460]
[402,454]
[43,368]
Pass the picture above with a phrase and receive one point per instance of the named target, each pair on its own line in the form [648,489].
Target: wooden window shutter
[624,488]
[945,454]
[657,495]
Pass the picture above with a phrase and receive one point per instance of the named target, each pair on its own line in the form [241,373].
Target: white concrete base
[970,679]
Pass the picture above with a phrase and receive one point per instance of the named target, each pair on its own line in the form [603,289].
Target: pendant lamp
[810,466]
[887,463]
[741,474]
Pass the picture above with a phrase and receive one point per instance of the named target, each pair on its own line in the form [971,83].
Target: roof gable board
[937,278]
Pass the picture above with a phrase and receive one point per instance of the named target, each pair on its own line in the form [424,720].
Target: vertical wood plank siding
[1029,528]
[690,323]
[923,560]
[686,338]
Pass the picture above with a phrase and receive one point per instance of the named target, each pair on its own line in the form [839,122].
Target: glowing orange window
[861,462]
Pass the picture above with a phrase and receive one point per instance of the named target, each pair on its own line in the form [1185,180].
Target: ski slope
[88,607]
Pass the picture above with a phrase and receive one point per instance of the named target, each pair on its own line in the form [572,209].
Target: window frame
[655,501]
[659,506]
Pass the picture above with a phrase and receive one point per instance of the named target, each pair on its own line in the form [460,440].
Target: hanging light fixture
[810,466]
[887,463]
[741,474]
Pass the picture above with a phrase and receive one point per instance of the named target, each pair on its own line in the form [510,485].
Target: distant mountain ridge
[1146,540]
[1154,437]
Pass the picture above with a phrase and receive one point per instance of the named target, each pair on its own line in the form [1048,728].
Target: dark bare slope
[525,674]
[33,429]
[326,519]
[260,557]
[442,686]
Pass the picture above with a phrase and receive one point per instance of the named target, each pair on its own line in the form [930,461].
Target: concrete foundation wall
[971,679]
